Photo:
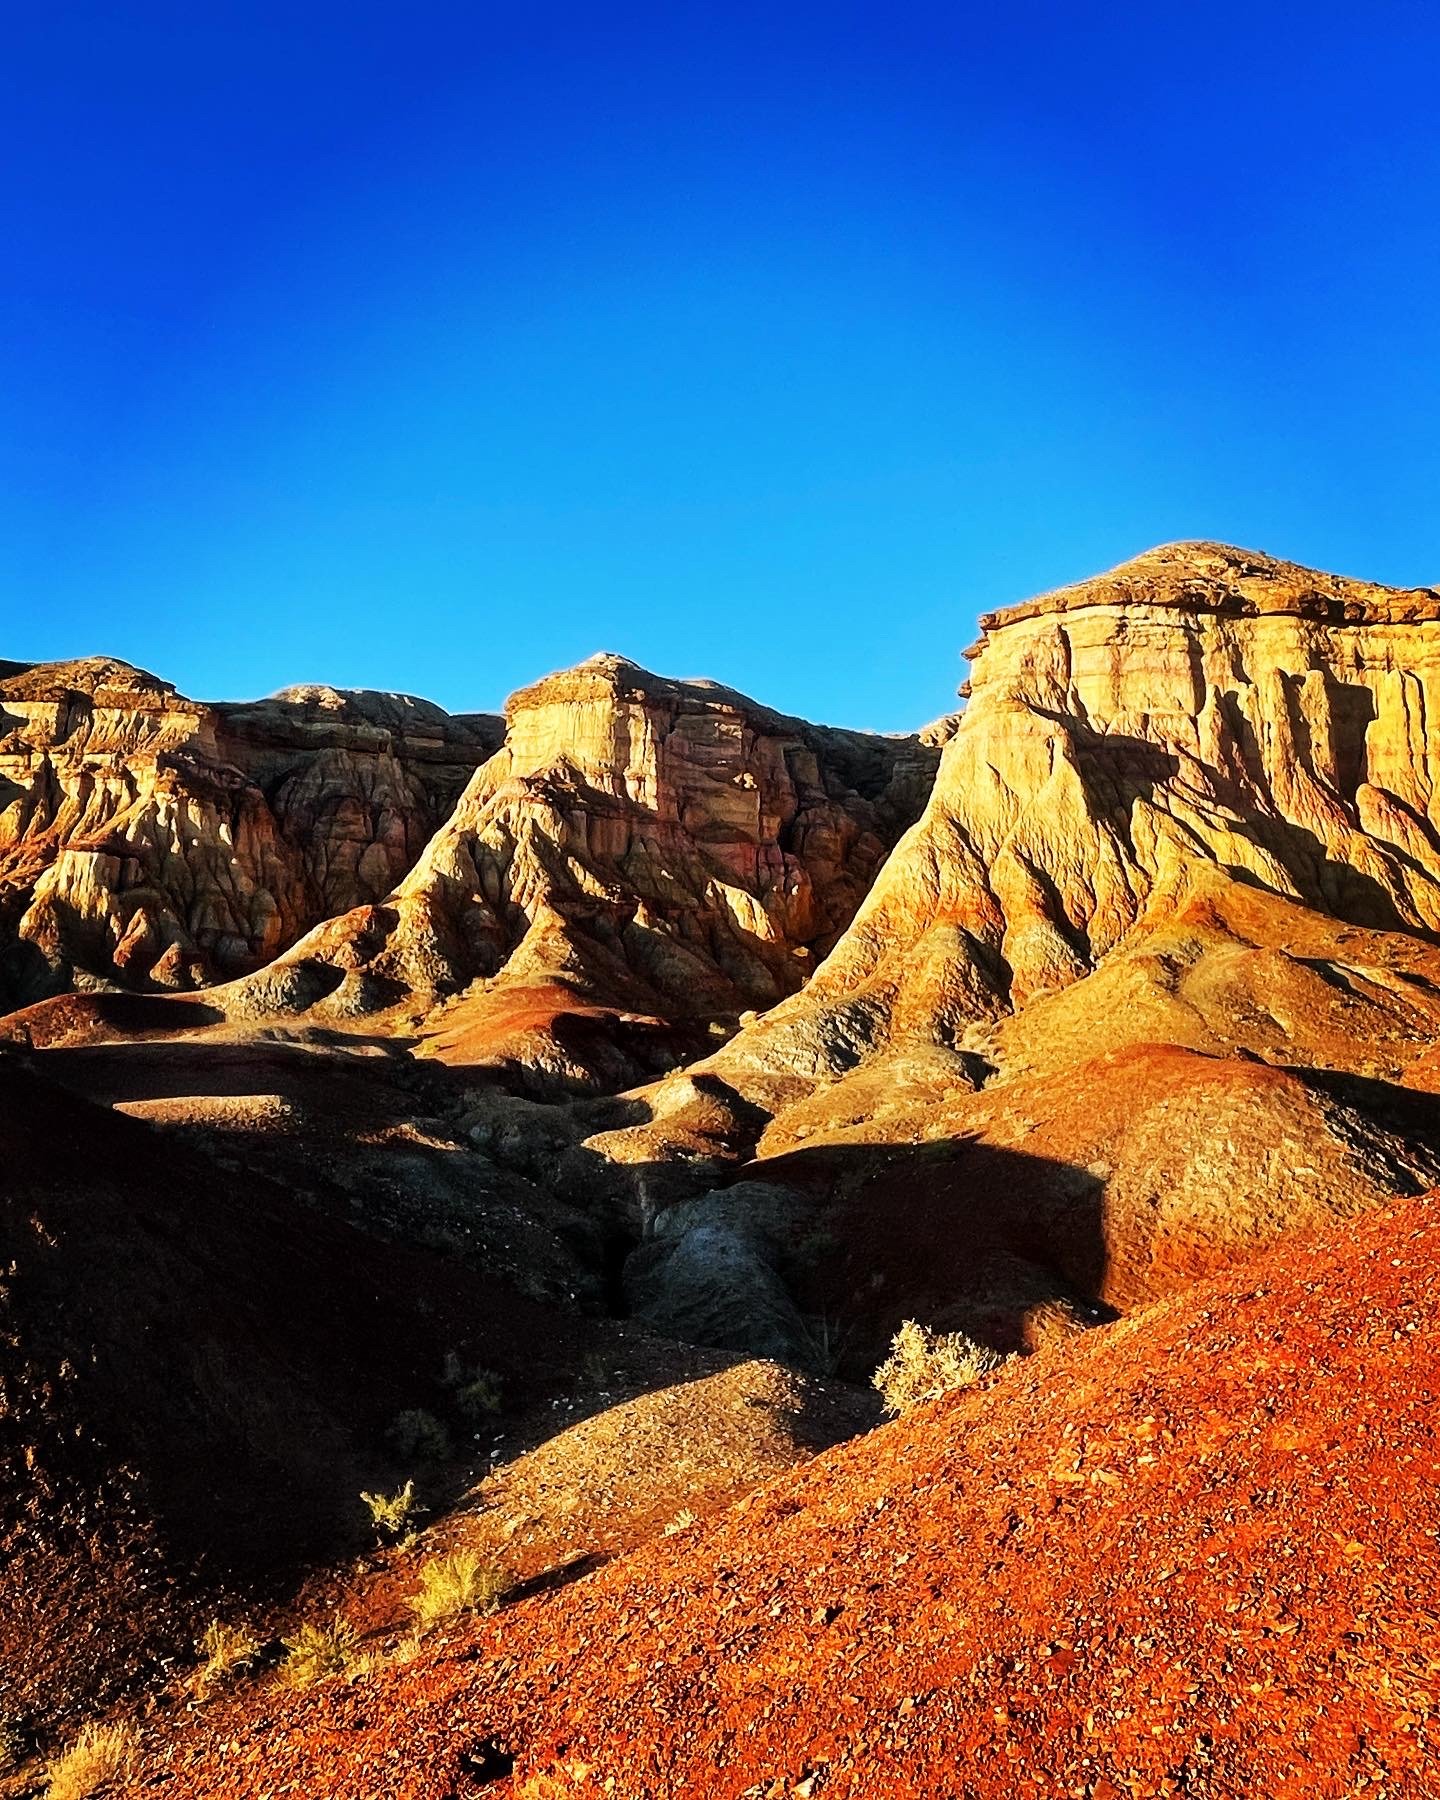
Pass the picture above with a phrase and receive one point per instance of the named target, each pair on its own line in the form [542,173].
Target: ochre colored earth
[560,1114]
[1195,1554]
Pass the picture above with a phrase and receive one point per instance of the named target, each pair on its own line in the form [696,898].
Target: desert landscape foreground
[646,1246]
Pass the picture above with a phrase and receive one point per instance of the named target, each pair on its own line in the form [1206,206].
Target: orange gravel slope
[1194,1554]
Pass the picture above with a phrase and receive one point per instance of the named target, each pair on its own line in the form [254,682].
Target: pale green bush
[457,1582]
[923,1365]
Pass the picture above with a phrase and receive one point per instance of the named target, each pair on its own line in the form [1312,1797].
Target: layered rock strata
[1199,705]
[642,855]
[1186,828]
[152,841]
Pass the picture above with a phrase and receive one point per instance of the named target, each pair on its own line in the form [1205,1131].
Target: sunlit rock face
[640,853]
[150,840]
[1199,705]
[1153,980]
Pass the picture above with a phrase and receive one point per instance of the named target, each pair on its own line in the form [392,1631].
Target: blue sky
[437,346]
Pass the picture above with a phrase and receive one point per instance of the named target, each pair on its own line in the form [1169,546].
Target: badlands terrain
[461,1175]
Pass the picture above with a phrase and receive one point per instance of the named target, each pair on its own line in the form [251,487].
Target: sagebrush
[418,1436]
[100,1754]
[316,1651]
[455,1582]
[479,1393]
[923,1365]
[226,1649]
[480,1399]
[388,1512]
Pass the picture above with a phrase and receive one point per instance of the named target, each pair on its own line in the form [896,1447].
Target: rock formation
[1148,987]
[152,841]
[1186,827]
[1197,705]
[643,860]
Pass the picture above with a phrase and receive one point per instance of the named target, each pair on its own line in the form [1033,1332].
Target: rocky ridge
[1191,807]
[152,841]
[1199,705]
[643,860]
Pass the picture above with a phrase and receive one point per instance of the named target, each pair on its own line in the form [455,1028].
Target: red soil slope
[1193,1554]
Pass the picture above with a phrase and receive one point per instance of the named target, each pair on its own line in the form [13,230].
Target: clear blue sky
[434,346]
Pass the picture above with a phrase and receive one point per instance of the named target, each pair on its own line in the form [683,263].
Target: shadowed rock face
[642,857]
[153,841]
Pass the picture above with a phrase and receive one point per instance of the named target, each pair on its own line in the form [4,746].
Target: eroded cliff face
[1153,980]
[1176,888]
[150,840]
[642,855]
[1199,705]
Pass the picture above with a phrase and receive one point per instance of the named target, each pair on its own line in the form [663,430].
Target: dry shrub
[100,1755]
[316,1651]
[388,1512]
[226,1649]
[923,1365]
[479,1393]
[457,1582]
[418,1436]
[480,1399]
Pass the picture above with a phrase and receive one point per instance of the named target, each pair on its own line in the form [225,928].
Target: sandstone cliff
[643,859]
[1199,705]
[153,841]
[1185,829]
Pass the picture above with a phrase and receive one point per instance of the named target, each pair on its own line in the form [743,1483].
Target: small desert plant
[478,1392]
[682,1521]
[456,1582]
[316,1651]
[825,1342]
[923,1365]
[479,1399]
[226,1649]
[101,1754]
[420,1436]
[388,1512]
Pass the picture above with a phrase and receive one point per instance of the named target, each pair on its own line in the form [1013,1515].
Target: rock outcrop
[643,861]
[152,841]
[1186,828]
[1197,705]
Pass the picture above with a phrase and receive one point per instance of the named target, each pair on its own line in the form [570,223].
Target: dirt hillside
[1194,1554]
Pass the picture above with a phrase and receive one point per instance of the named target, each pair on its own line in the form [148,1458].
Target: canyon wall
[152,841]
[641,854]
[1197,706]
